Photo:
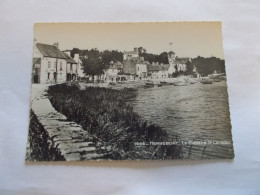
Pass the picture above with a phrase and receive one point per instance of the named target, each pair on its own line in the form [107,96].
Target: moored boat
[165,83]
[127,88]
[149,84]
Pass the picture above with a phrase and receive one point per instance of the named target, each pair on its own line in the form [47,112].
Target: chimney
[56,44]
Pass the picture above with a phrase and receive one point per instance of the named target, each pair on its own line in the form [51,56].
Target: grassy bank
[105,114]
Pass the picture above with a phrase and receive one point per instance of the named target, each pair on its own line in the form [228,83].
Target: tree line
[206,66]
[95,61]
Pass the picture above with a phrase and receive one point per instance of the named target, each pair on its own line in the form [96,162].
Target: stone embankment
[67,138]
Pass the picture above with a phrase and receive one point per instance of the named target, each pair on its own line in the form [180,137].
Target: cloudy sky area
[190,39]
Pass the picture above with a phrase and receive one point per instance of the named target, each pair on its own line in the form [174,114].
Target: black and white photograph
[128,91]
[129,97]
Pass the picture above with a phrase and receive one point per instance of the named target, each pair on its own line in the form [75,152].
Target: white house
[157,71]
[177,64]
[171,69]
[141,70]
[181,64]
[77,59]
[113,72]
[71,68]
[79,65]
[49,64]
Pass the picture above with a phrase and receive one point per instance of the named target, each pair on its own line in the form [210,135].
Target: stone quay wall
[55,137]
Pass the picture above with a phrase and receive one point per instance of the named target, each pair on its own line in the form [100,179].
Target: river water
[196,112]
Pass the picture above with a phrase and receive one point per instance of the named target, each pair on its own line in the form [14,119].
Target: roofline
[53,57]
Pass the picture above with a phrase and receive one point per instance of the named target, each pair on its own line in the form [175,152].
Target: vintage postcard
[128,91]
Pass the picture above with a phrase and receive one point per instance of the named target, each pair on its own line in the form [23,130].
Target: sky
[190,39]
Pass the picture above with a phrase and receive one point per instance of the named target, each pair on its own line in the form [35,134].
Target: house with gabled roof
[49,64]
[80,72]
[71,68]
[113,71]
[158,71]
[177,64]
[181,64]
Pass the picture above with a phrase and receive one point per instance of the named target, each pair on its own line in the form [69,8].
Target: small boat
[130,88]
[149,84]
[165,83]
[159,85]
[206,81]
[112,83]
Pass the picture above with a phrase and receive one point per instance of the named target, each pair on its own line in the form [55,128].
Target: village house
[181,64]
[141,70]
[177,64]
[158,71]
[114,72]
[49,64]
[71,68]
[77,59]
[134,65]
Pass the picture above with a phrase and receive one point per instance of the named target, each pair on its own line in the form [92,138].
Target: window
[54,76]
[60,65]
[48,75]
[49,64]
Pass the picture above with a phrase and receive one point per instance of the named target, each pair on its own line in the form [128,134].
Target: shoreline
[113,121]
[133,84]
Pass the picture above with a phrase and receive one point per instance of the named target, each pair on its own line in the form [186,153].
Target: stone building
[134,65]
[131,54]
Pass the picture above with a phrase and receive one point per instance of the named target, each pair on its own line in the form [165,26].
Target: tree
[93,64]
[163,58]
[73,51]
[189,67]
[206,66]
[141,50]
[114,55]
